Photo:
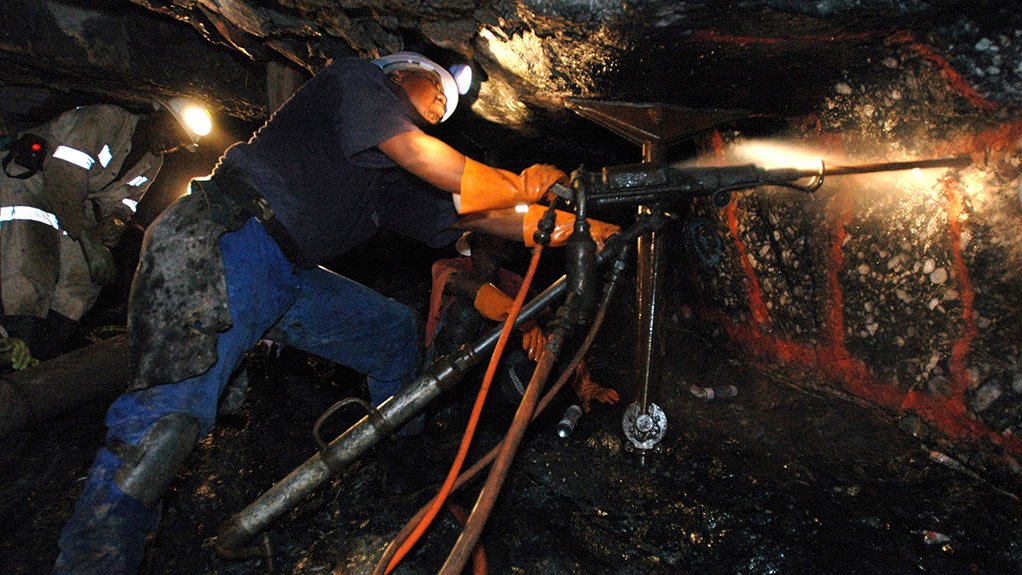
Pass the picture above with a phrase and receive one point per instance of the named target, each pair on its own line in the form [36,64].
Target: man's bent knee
[149,467]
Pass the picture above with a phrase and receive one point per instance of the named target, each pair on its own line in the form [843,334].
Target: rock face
[901,290]
[56,55]
[768,57]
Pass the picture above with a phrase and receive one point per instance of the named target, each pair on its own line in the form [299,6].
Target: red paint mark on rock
[1003,139]
[757,307]
[829,358]
[960,350]
[957,82]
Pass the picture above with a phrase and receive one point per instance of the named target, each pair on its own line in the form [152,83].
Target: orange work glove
[533,340]
[588,390]
[492,303]
[485,188]
[564,224]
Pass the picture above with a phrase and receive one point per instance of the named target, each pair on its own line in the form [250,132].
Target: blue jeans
[316,310]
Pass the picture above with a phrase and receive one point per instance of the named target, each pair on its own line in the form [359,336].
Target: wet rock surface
[778,479]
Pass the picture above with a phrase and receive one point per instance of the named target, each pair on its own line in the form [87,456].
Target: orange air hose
[492,454]
[479,554]
[487,498]
[470,428]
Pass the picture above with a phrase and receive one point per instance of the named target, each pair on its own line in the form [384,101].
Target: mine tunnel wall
[901,291]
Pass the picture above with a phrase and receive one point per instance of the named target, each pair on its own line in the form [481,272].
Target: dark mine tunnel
[817,368]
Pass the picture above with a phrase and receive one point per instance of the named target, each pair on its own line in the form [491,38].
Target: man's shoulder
[351,63]
[93,118]
[106,111]
[105,116]
[345,66]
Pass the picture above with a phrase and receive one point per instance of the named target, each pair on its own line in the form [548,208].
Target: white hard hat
[464,245]
[416,61]
[192,116]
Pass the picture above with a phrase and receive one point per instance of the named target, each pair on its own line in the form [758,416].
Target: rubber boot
[119,508]
[460,324]
[108,530]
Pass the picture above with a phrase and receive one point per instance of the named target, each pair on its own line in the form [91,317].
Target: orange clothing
[507,281]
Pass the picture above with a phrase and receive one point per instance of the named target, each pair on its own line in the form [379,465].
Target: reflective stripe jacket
[87,149]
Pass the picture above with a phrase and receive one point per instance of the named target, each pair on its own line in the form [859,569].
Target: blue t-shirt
[316,163]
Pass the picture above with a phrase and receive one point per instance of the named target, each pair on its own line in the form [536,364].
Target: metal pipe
[359,438]
[953,162]
[64,382]
[342,451]
[649,340]
[649,292]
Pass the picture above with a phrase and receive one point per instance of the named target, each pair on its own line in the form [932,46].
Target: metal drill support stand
[654,127]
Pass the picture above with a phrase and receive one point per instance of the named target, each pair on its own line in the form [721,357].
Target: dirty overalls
[43,272]
[210,284]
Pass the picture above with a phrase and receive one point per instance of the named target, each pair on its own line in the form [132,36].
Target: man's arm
[512,225]
[506,223]
[65,186]
[427,157]
[492,193]
[476,187]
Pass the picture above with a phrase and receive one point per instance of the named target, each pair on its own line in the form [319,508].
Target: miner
[67,191]
[471,292]
[236,260]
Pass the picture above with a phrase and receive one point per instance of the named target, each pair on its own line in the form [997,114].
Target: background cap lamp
[413,61]
[192,116]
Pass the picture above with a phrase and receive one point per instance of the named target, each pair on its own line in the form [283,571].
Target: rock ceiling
[769,58]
